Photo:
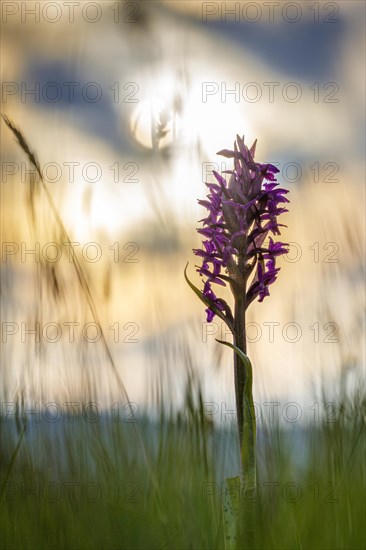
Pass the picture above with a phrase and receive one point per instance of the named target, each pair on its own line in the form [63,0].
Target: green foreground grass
[75,484]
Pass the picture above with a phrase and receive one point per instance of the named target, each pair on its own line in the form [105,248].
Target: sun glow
[155,123]
[175,115]
[91,209]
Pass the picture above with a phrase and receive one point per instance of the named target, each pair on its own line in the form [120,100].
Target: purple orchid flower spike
[241,215]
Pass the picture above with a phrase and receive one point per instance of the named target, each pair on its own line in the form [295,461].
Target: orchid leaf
[231,508]
[238,351]
[209,303]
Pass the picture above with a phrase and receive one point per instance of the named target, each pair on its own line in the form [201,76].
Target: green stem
[248,459]
[243,376]
[239,368]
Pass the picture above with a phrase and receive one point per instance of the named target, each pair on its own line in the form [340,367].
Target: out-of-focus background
[117,402]
[125,105]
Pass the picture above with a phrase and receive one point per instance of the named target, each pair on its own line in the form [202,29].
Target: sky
[86,88]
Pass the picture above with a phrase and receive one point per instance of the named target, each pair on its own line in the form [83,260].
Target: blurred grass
[80,484]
